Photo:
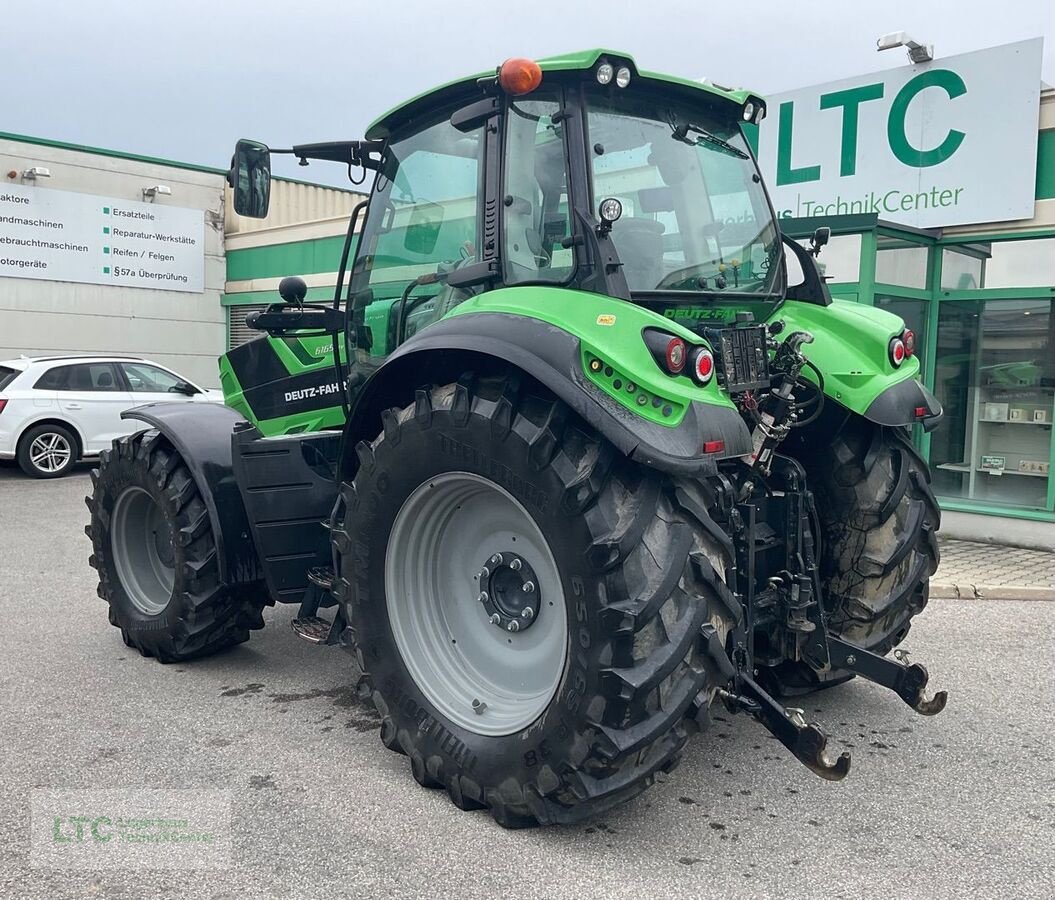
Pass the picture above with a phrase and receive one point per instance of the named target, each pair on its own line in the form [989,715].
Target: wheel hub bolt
[529,587]
[483,597]
[495,618]
[484,573]
[496,560]
[513,626]
[515,565]
[527,613]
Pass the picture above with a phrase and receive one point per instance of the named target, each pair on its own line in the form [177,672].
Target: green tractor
[581,448]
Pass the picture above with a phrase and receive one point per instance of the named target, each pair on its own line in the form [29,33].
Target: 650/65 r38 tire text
[155,553]
[531,613]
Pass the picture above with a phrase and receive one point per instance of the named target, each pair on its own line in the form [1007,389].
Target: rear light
[3,403]
[909,337]
[703,365]
[897,352]
[670,352]
[713,446]
[921,412]
[675,355]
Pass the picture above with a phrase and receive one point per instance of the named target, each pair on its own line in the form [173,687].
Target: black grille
[743,361]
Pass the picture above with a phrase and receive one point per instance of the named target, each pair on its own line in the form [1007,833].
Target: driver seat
[640,245]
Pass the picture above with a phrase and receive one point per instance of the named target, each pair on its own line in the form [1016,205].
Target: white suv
[55,410]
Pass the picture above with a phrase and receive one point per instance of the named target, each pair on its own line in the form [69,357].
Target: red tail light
[675,355]
[713,446]
[703,366]
[3,403]
[909,338]
[897,352]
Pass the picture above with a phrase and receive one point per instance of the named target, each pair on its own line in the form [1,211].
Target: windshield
[695,218]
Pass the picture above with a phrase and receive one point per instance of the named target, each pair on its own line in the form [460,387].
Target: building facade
[111,252]
[981,301]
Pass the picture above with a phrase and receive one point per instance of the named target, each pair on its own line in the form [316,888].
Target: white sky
[183,79]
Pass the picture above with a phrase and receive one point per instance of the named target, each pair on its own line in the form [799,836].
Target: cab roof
[583,60]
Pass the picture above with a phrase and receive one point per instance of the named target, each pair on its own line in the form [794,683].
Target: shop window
[840,259]
[960,272]
[901,264]
[995,376]
[1021,264]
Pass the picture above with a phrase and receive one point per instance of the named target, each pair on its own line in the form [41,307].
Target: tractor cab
[579,172]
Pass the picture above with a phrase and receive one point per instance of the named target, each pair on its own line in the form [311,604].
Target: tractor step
[312,628]
[321,577]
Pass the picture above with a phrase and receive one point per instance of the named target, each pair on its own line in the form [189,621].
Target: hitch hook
[807,742]
[909,682]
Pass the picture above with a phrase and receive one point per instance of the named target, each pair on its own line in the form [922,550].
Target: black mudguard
[551,356]
[201,432]
[897,405]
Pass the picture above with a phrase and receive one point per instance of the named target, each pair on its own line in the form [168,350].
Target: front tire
[156,556]
[603,689]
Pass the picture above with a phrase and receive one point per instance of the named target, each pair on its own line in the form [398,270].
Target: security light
[36,172]
[157,190]
[917,52]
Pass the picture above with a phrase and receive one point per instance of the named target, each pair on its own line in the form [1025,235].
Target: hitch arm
[907,681]
[807,742]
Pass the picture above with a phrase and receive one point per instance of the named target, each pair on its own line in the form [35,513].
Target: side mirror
[250,179]
[185,387]
[820,237]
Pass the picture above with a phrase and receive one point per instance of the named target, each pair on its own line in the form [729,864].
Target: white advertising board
[948,142]
[56,235]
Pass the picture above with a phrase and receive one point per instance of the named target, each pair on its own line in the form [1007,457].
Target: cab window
[536,212]
[423,218]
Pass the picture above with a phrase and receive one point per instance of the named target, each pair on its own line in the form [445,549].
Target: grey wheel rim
[50,452]
[142,544]
[456,640]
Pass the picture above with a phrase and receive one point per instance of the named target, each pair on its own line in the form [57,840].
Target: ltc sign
[948,142]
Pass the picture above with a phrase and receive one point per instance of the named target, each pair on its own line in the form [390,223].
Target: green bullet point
[106,249]
[106,210]
[106,270]
[106,229]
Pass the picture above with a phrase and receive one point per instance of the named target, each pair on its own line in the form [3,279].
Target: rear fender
[201,432]
[851,348]
[494,332]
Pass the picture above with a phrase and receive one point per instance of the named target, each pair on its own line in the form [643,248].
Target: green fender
[589,350]
[851,349]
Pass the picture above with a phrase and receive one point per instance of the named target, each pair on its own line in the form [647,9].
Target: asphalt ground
[961,805]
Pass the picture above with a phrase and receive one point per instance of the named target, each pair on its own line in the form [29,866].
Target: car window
[150,379]
[81,377]
[7,375]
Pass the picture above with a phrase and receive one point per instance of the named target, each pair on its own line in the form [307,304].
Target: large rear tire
[878,524]
[469,495]
[155,553]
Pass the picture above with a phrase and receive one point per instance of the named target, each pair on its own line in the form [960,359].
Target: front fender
[550,340]
[201,432]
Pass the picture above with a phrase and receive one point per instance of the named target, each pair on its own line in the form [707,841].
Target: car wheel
[47,451]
